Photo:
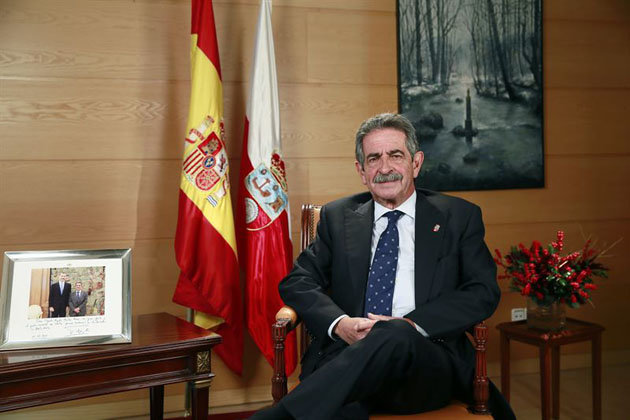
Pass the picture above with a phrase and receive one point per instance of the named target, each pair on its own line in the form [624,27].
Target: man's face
[63,277]
[389,169]
[78,286]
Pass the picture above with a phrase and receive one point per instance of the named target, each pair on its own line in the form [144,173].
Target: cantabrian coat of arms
[268,189]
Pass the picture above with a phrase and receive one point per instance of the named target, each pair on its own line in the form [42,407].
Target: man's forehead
[388,151]
[384,139]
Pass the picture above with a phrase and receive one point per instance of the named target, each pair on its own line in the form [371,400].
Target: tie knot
[393,216]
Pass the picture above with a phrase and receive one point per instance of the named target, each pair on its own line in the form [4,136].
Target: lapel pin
[436,228]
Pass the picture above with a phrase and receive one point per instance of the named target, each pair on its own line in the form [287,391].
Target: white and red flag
[205,241]
[265,249]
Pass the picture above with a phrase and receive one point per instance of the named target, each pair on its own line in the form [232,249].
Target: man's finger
[379,317]
[366,324]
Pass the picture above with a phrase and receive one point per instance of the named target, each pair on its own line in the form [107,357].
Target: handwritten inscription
[42,329]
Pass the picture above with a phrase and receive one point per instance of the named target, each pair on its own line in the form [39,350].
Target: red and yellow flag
[263,213]
[205,242]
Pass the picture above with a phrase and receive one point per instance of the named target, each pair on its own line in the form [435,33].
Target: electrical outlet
[519,314]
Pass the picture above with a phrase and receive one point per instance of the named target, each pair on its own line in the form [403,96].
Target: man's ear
[360,171]
[418,158]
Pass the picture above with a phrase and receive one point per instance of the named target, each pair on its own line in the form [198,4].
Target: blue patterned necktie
[379,293]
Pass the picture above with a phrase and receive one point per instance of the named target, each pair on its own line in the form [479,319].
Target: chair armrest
[287,316]
[286,320]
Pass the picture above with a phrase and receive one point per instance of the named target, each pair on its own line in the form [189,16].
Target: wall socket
[519,314]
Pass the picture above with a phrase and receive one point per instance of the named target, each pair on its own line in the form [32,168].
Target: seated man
[388,288]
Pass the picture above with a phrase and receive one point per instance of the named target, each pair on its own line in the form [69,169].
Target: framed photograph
[65,298]
[470,79]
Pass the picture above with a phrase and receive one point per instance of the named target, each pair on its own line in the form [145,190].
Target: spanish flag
[205,242]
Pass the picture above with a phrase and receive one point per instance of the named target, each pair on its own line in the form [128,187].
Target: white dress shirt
[404,300]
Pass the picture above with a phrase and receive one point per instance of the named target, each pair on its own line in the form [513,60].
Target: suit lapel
[430,227]
[358,235]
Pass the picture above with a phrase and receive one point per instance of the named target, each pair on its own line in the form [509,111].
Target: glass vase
[550,317]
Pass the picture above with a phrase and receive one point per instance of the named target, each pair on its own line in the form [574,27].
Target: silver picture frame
[98,280]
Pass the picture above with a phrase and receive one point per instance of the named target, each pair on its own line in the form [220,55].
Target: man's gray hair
[388,120]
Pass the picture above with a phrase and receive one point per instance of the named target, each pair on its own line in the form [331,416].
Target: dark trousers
[393,369]
[59,313]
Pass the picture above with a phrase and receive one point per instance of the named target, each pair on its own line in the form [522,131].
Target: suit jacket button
[319,353]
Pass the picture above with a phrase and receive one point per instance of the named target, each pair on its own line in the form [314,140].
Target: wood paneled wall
[94,97]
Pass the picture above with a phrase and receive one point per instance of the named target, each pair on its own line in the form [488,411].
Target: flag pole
[190,317]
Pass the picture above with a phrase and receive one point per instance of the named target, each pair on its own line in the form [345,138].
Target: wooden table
[165,350]
[549,350]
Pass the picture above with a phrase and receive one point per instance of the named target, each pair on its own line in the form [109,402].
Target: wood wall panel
[582,54]
[96,39]
[593,10]
[365,48]
[586,121]
[71,201]
[578,188]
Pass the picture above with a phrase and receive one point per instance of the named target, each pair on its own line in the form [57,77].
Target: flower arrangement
[542,274]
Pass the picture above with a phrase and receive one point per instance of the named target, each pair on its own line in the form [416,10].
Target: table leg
[545,382]
[596,354]
[505,366]
[555,381]
[200,398]
[156,399]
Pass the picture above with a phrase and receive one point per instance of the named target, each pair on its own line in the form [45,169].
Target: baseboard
[253,398]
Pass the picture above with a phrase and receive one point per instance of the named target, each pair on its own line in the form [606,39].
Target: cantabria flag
[263,218]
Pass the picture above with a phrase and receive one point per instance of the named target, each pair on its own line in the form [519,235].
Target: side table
[165,350]
[549,350]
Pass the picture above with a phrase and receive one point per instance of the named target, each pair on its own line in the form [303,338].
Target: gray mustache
[379,178]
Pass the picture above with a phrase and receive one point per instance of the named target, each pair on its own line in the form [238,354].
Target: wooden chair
[287,320]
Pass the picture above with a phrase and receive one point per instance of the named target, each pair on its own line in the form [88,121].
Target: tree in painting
[470,80]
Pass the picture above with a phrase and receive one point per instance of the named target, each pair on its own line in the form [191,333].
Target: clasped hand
[354,329]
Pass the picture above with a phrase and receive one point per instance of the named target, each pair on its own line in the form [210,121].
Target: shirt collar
[408,208]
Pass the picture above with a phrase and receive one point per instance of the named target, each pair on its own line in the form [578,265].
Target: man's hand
[52,309]
[352,330]
[389,318]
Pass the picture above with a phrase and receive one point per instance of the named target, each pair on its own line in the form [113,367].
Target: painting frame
[20,329]
[502,145]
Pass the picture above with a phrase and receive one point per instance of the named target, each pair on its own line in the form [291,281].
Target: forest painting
[470,80]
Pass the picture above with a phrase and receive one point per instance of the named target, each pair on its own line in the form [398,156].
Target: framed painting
[65,298]
[470,80]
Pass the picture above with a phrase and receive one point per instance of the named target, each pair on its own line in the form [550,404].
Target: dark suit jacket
[455,276]
[58,300]
[78,302]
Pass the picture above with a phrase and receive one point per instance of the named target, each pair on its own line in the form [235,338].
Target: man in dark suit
[78,300]
[388,288]
[58,297]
